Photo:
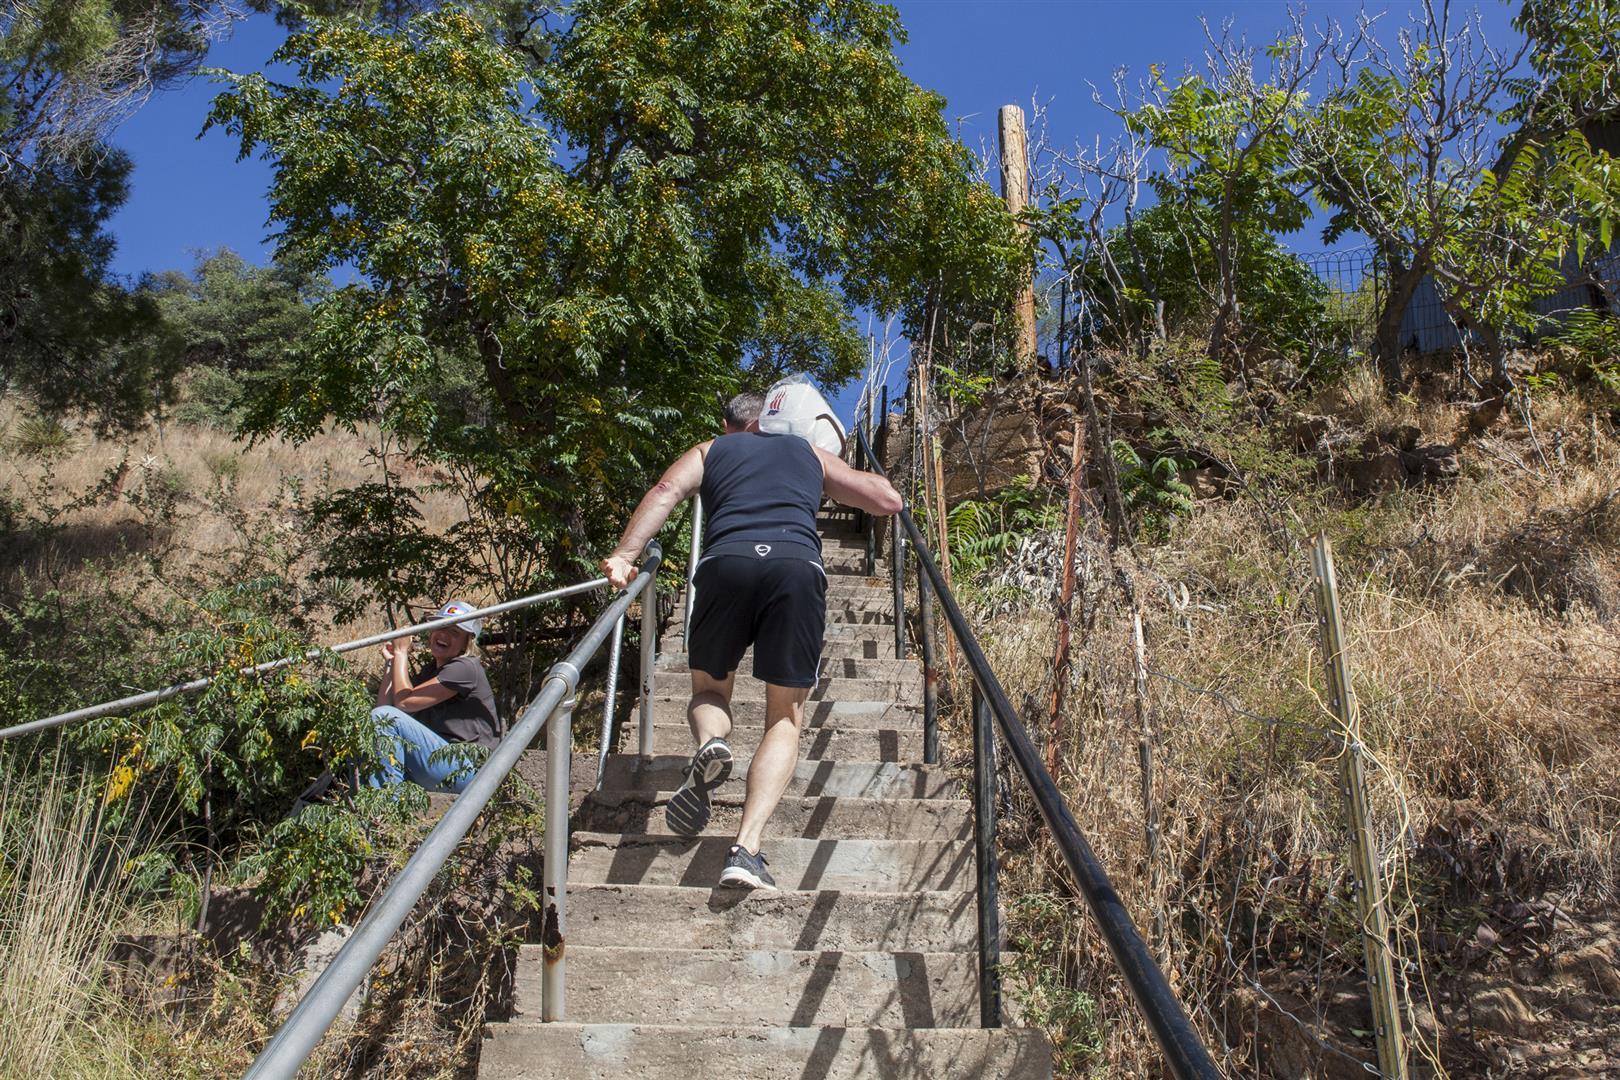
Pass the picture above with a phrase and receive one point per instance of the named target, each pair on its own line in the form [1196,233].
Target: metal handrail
[693,554]
[1184,1052]
[308,1022]
[153,697]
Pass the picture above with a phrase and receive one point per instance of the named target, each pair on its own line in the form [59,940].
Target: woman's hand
[620,571]
[388,652]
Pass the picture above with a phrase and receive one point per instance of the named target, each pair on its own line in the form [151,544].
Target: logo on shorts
[762,550]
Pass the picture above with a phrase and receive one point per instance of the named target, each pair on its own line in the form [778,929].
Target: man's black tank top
[761,491]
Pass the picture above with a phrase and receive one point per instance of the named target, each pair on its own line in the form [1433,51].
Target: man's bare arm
[852,487]
[678,483]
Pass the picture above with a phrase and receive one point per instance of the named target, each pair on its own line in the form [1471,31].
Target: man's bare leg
[709,711]
[709,716]
[774,761]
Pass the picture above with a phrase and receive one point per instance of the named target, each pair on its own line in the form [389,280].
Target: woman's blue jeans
[407,749]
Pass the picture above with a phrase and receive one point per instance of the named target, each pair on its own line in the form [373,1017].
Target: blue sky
[190,194]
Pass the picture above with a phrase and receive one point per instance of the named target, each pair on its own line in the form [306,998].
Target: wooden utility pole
[1363,850]
[1015,189]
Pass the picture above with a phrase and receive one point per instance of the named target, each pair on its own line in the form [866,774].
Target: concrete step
[871,688]
[848,667]
[816,743]
[671,709]
[759,987]
[679,683]
[822,742]
[858,779]
[683,918]
[811,817]
[568,1051]
[795,862]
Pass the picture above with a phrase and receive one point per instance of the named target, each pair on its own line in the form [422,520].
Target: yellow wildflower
[119,784]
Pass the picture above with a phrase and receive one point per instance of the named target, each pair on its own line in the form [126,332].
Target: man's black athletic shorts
[778,605]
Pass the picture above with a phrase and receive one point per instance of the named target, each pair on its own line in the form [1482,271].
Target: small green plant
[43,437]
[984,530]
[1152,489]
[310,867]
[1037,972]
[965,389]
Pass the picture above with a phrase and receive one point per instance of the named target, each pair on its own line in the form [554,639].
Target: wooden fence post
[1363,850]
[1015,189]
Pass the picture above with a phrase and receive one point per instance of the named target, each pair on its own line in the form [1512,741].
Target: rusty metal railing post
[930,654]
[984,847]
[554,872]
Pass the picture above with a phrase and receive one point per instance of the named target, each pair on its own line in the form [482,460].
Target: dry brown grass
[63,893]
[184,495]
[1486,655]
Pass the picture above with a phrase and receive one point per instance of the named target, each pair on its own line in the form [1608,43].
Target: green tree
[611,214]
[1226,137]
[229,324]
[1411,152]
[1283,302]
[70,336]
[70,70]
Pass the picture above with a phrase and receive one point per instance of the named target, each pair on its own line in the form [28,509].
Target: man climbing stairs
[864,964]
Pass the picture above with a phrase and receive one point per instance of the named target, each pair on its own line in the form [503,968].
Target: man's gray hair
[744,409]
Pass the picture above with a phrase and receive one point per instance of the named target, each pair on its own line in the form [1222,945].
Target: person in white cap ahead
[448,701]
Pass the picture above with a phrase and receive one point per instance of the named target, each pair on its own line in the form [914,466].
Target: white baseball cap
[461,607]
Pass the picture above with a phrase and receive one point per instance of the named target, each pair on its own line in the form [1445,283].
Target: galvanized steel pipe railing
[1184,1052]
[610,700]
[694,553]
[153,697]
[304,1028]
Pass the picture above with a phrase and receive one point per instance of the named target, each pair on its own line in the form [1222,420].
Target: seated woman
[448,702]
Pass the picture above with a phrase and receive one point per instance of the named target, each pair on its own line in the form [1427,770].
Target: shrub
[211,398]
[40,437]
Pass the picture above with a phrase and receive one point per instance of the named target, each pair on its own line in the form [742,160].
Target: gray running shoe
[688,809]
[745,871]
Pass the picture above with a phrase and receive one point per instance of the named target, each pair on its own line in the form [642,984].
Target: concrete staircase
[864,964]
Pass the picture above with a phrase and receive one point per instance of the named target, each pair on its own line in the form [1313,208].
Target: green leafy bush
[983,531]
[40,437]
[1152,490]
[212,397]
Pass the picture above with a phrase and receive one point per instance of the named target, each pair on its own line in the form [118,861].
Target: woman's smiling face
[446,643]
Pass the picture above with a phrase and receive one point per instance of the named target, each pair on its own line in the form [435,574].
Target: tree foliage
[72,337]
[1282,301]
[1465,161]
[1225,138]
[609,215]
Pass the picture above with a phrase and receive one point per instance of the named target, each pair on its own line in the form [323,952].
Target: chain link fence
[1357,285]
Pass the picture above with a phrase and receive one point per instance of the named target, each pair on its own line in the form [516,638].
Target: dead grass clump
[1470,698]
[63,893]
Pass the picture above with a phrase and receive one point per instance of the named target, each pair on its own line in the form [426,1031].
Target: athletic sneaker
[745,871]
[688,809]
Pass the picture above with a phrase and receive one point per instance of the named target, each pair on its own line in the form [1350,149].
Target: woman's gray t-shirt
[469,715]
